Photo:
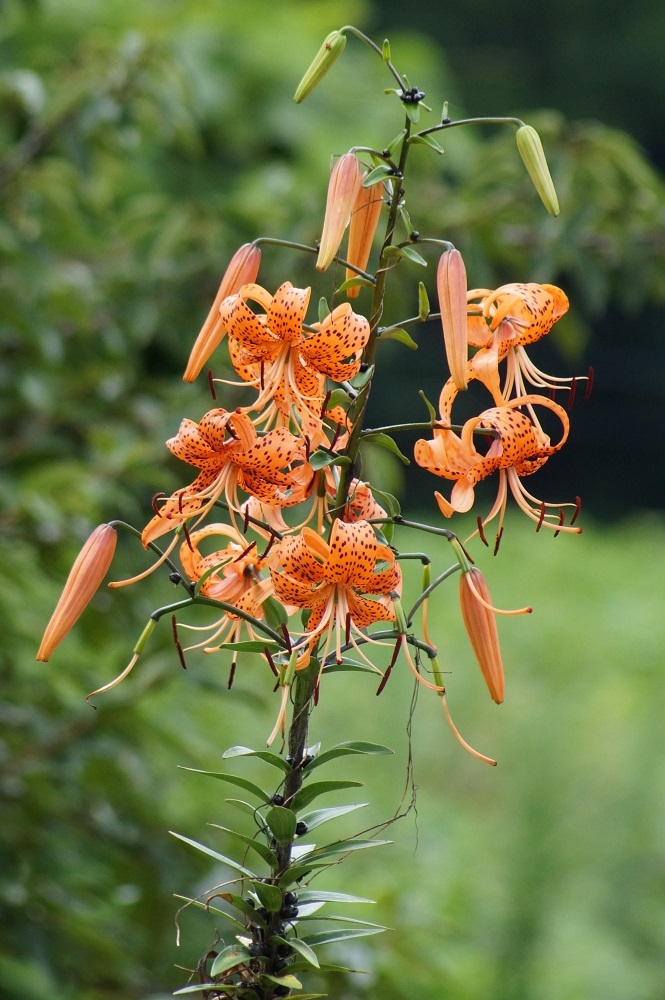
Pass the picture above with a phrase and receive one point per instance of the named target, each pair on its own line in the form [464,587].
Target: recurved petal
[342,334]
[364,611]
[287,311]
[352,553]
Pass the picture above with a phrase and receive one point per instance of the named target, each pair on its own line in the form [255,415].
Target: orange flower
[364,220]
[343,189]
[232,575]
[480,624]
[286,363]
[331,579]
[451,288]
[227,449]
[501,323]
[84,580]
[243,268]
[518,448]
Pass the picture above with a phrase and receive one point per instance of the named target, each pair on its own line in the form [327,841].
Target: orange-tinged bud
[364,220]
[242,270]
[531,150]
[451,289]
[329,53]
[82,584]
[480,624]
[345,183]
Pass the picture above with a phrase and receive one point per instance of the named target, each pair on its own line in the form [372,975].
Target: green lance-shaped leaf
[328,896]
[244,907]
[357,282]
[308,793]
[385,441]
[233,779]
[204,987]
[209,908]
[349,746]
[377,175]
[317,817]
[228,958]
[274,614]
[304,950]
[362,378]
[328,54]
[401,336]
[531,150]
[269,896]
[259,848]
[342,847]
[324,309]
[282,823]
[266,755]
[426,140]
[341,934]
[322,459]
[289,981]
[423,302]
[214,854]
[407,253]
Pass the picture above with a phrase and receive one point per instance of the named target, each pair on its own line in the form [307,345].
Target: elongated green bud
[531,150]
[329,52]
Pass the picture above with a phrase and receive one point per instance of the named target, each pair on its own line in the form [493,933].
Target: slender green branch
[274,242]
[260,626]
[472,121]
[428,590]
[350,29]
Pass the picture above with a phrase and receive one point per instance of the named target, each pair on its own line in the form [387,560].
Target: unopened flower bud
[329,52]
[364,220]
[451,289]
[85,577]
[531,150]
[242,270]
[480,624]
[345,183]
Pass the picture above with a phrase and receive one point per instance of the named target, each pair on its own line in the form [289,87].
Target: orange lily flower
[226,448]
[343,189]
[518,448]
[364,220]
[232,575]
[332,578]
[83,582]
[501,323]
[286,363]
[243,268]
[451,289]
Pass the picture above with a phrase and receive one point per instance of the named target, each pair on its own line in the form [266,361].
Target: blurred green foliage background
[140,144]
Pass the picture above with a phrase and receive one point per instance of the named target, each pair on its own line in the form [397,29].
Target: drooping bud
[329,52]
[531,150]
[84,579]
[480,624]
[242,270]
[451,289]
[364,220]
[343,189]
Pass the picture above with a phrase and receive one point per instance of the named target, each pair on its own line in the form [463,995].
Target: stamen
[262,374]
[324,404]
[232,672]
[271,542]
[578,508]
[460,739]
[571,395]
[287,637]
[211,384]
[347,634]
[393,661]
[481,533]
[589,384]
[271,662]
[542,516]
[156,497]
[497,540]
[245,552]
[562,518]
[185,532]
[116,680]
[245,526]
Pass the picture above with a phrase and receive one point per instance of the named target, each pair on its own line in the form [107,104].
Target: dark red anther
[562,518]
[174,629]
[551,392]
[571,394]
[232,672]
[245,552]
[155,499]
[262,375]
[589,383]
[324,404]
[211,384]
[186,534]
[576,512]
[384,679]
[316,692]
[308,447]
[287,637]
[497,540]
[270,544]
[232,433]
[481,533]
[338,431]
[542,515]
[181,497]
[347,626]
[245,524]
[271,662]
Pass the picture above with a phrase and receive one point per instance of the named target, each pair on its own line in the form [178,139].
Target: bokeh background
[140,144]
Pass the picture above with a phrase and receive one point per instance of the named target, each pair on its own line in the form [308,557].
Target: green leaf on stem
[324,309]
[423,302]
[248,808]
[282,823]
[357,282]
[322,459]
[400,335]
[411,254]
[274,614]
[377,175]
[303,949]
[266,755]
[320,816]
[269,896]
[338,397]
[430,408]
[412,112]
[342,847]
[308,793]
[349,746]
[245,907]
[326,896]
[289,981]
[342,934]
[233,779]
[214,854]
[385,441]
[228,958]
[200,987]
[397,141]
[362,378]
[385,50]
[204,905]
[259,848]
[426,140]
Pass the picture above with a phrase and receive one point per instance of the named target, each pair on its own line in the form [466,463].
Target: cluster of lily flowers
[276,466]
